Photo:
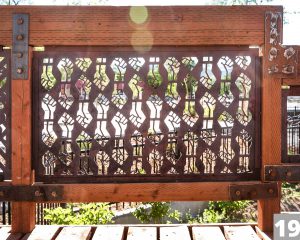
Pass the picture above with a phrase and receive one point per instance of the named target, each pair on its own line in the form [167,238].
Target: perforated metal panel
[169,114]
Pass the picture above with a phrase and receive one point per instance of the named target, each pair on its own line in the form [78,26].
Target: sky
[291,30]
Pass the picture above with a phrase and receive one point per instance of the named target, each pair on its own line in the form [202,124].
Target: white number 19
[293,227]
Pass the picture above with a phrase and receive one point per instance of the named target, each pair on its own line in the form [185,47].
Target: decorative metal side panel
[5,108]
[170,114]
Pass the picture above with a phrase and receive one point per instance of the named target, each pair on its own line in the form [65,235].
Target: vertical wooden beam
[271,122]
[23,214]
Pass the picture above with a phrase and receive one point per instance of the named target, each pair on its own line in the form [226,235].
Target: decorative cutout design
[127,116]
[5,123]
[282,59]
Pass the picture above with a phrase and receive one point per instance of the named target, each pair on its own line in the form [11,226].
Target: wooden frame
[170,26]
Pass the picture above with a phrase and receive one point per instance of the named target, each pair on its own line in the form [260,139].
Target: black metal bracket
[285,173]
[253,191]
[31,193]
[20,41]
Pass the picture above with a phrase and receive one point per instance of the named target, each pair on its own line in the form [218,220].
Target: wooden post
[23,214]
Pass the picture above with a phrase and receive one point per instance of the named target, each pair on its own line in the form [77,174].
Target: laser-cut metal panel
[171,114]
[5,106]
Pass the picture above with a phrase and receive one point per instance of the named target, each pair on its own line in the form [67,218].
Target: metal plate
[253,191]
[31,193]
[285,173]
[19,68]
[169,114]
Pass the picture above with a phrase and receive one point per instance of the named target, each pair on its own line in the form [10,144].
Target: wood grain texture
[23,214]
[174,233]
[271,140]
[207,233]
[108,233]
[42,233]
[241,232]
[74,233]
[168,25]
[144,233]
[141,192]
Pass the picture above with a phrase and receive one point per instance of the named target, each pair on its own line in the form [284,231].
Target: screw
[270,190]
[238,193]
[20,37]
[20,21]
[19,55]
[20,70]
[54,194]
[289,173]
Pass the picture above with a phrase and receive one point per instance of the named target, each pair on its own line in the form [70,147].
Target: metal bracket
[253,191]
[20,41]
[31,193]
[286,173]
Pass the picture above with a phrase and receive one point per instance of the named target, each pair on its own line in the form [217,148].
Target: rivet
[20,37]
[270,190]
[19,55]
[289,173]
[20,70]
[53,194]
[238,193]
[20,21]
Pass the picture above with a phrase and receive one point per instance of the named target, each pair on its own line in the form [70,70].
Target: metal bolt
[37,193]
[20,70]
[20,37]
[289,173]
[20,21]
[238,193]
[272,173]
[19,55]
[270,190]
[53,194]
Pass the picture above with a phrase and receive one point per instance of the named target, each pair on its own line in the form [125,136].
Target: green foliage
[156,212]
[221,212]
[88,214]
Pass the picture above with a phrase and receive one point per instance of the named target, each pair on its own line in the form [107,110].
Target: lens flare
[138,15]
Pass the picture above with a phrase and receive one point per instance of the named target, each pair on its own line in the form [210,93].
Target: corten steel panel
[170,114]
[291,125]
[5,106]
[168,25]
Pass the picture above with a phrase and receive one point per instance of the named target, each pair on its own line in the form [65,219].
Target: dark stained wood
[23,219]
[42,233]
[142,233]
[74,233]
[5,234]
[241,232]
[108,233]
[174,233]
[168,25]
[207,233]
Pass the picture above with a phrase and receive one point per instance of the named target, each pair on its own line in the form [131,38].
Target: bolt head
[53,194]
[20,70]
[270,190]
[289,173]
[1,194]
[20,37]
[20,21]
[37,193]
[238,193]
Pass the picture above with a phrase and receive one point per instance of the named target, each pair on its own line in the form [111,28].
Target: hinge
[45,193]
[20,41]
[253,191]
[284,173]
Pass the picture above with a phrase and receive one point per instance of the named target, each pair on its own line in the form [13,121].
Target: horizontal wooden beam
[114,26]
[138,192]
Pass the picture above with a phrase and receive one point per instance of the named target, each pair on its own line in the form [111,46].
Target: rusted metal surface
[5,113]
[169,114]
[286,173]
[291,125]
[253,191]
[20,42]
[31,193]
